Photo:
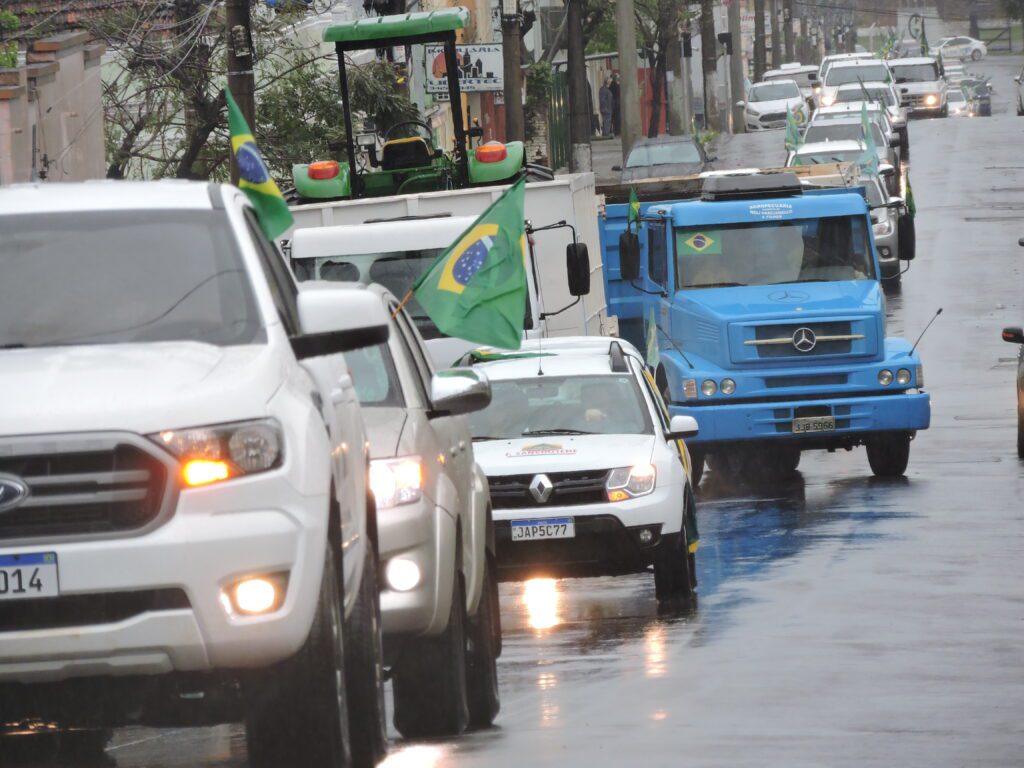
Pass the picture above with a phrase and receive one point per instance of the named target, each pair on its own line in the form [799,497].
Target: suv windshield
[863,73]
[774,92]
[562,405]
[663,154]
[100,277]
[773,252]
[915,73]
[374,376]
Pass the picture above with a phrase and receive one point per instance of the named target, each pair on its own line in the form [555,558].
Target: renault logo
[13,491]
[804,340]
[540,488]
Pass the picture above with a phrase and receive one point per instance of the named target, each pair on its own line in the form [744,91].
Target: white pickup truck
[392,240]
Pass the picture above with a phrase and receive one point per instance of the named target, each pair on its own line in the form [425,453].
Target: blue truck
[770,323]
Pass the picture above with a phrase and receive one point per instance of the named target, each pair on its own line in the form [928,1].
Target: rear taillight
[324,169]
[492,152]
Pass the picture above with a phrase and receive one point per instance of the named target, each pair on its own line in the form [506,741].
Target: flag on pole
[254,178]
[924,41]
[653,357]
[476,290]
[633,217]
[793,137]
[868,161]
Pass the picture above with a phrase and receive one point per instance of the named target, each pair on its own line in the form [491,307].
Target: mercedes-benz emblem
[13,491]
[540,488]
[804,340]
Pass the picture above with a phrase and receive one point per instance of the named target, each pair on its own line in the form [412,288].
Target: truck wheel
[484,644]
[672,580]
[298,709]
[430,678]
[364,670]
[888,454]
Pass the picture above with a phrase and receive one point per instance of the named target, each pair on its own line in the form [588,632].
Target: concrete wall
[51,112]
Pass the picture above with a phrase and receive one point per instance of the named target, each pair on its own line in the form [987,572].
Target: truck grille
[570,488]
[84,486]
[775,341]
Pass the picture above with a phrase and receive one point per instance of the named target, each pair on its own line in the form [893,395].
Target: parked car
[439,596]
[184,476]
[768,104]
[589,475]
[962,48]
[665,156]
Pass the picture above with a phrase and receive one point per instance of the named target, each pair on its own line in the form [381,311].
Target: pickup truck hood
[766,301]
[384,429]
[776,105]
[561,453]
[141,388]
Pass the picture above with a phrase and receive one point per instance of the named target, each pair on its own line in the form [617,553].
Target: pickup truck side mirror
[629,256]
[337,320]
[1014,335]
[577,267]
[459,390]
[680,427]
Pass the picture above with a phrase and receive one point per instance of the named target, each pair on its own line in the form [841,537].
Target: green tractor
[406,163]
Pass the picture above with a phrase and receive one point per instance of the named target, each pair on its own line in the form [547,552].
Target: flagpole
[402,304]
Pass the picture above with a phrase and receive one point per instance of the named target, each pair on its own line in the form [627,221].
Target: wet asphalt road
[842,620]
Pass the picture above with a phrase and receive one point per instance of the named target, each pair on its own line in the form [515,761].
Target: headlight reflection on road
[654,652]
[541,598]
[417,756]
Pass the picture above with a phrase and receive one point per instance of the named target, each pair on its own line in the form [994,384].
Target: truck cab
[769,317]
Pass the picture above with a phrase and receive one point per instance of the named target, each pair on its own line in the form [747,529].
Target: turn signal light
[492,152]
[204,471]
[324,169]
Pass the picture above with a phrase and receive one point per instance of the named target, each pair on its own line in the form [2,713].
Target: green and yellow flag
[793,138]
[868,160]
[476,290]
[254,178]
[633,216]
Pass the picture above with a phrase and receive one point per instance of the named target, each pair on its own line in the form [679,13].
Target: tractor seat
[399,154]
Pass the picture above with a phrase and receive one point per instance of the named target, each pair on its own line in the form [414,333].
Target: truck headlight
[728,386]
[212,454]
[396,481]
[709,387]
[885,377]
[903,377]
[629,482]
[931,99]
[882,228]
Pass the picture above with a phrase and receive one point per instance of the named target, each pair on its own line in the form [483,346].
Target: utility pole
[241,81]
[709,60]
[515,123]
[776,35]
[629,92]
[579,104]
[759,41]
[787,29]
[736,92]
[676,86]
[687,59]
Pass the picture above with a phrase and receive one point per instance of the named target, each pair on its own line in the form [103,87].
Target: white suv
[439,596]
[184,526]
[589,476]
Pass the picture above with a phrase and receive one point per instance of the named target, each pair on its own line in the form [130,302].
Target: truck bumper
[856,418]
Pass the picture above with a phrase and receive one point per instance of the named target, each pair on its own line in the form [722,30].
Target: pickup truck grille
[84,486]
[780,341]
[570,489]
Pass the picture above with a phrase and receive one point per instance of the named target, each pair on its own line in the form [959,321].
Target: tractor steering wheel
[418,123]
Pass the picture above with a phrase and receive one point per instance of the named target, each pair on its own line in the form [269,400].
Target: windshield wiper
[557,432]
[719,285]
[481,438]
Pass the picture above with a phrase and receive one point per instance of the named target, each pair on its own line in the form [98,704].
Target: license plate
[814,424]
[28,576]
[549,528]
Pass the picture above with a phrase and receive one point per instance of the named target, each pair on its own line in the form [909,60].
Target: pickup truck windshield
[562,405]
[774,252]
[883,95]
[915,73]
[862,73]
[120,277]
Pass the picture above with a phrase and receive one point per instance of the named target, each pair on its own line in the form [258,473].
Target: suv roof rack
[751,186]
[618,358]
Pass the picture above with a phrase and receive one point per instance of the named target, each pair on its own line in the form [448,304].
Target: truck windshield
[562,405]
[915,73]
[774,252]
[395,270]
[120,277]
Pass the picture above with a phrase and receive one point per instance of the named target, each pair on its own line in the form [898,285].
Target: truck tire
[430,678]
[672,579]
[888,454]
[298,709]
[482,658]
[364,670]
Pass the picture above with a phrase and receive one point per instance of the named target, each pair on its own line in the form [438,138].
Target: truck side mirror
[1013,335]
[577,267]
[629,256]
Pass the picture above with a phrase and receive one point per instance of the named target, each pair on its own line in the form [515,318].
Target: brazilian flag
[254,178]
[476,290]
[793,138]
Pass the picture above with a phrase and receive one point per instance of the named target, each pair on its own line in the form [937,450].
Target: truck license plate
[814,424]
[549,528]
[28,576]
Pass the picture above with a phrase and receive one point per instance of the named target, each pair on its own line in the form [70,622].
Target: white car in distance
[769,103]
[589,476]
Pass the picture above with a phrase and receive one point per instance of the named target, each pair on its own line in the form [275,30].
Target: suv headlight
[629,482]
[211,454]
[396,481]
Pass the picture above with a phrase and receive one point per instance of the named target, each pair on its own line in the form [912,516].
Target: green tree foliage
[8,48]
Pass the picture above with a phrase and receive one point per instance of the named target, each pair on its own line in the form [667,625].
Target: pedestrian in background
[616,105]
[606,103]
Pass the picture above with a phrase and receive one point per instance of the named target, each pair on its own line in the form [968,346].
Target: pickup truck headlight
[212,454]
[931,99]
[882,228]
[396,481]
[828,100]
[630,482]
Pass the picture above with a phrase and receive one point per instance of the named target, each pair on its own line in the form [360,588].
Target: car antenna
[540,353]
[924,332]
